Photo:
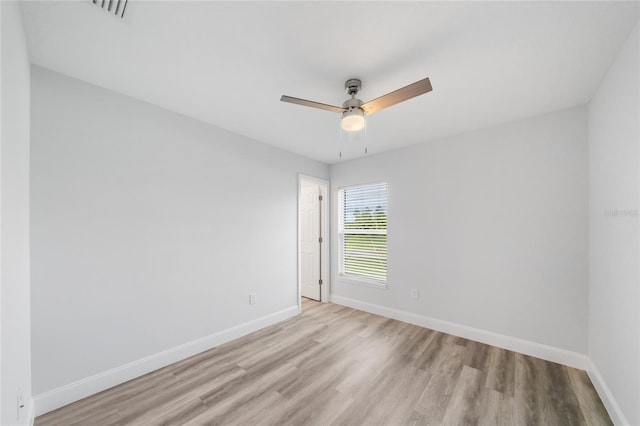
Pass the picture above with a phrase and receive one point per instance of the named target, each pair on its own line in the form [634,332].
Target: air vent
[117,7]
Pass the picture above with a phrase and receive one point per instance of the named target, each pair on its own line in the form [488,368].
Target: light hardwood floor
[336,365]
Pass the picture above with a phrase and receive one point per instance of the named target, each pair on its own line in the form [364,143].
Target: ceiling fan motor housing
[352,103]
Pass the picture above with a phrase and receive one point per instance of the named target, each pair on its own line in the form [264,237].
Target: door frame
[324,252]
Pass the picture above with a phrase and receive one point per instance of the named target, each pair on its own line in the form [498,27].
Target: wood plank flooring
[336,365]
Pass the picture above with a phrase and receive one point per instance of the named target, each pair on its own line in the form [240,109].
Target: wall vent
[117,7]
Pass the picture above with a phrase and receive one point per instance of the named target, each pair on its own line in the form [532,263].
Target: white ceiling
[228,63]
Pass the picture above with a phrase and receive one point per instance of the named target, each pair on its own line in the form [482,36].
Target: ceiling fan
[353,110]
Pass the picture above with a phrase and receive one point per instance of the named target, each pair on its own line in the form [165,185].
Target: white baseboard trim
[605,394]
[538,350]
[75,391]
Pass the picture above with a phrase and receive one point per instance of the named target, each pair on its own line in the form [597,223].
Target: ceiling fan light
[352,120]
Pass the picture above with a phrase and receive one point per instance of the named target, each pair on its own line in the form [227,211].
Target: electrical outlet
[414,293]
[253,298]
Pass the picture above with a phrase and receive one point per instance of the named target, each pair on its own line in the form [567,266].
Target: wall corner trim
[605,394]
[538,350]
[75,391]
[32,415]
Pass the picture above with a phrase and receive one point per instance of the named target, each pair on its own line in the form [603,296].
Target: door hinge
[320,197]
[320,282]
[320,240]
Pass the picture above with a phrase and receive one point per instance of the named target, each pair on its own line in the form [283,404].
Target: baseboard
[75,391]
[538,350]
[605,394]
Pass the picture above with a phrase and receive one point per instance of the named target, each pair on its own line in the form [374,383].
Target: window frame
[361,279]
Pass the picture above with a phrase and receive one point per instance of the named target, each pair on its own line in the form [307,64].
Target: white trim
[75,391]
[362,281]
[616,414]
[538,350]
[32,414]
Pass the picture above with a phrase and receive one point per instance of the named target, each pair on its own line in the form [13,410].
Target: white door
[310,243]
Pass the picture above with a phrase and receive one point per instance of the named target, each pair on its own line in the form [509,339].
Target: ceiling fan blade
[312,104]
[411,91]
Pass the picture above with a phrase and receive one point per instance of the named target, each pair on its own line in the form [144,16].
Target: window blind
[363,231]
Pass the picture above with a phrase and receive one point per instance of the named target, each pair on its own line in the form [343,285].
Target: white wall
[15,354]
[490,227]
[149,229]
[614,277]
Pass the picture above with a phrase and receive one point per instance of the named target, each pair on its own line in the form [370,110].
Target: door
[310,209]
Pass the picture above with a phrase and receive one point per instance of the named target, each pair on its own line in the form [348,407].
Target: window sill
[363,282]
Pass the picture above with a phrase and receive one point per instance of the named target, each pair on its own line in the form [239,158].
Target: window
[362,228]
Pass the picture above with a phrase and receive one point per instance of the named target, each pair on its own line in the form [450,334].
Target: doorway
[312,241]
